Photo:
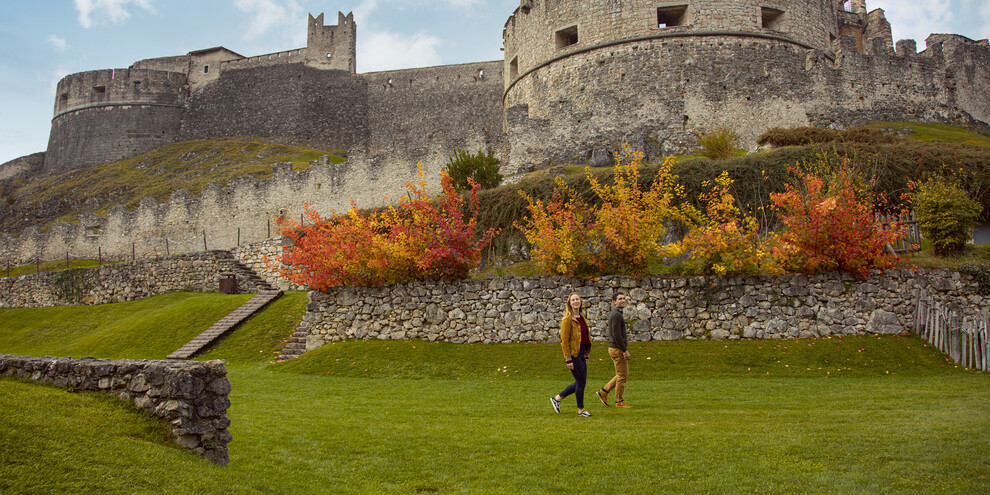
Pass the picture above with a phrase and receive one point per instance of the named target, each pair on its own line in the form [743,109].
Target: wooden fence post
[204,241]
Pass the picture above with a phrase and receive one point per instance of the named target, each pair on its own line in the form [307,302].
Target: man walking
[617,343]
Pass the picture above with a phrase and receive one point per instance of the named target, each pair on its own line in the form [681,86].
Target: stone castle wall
[246,211]
[191,397]
[514,309]
[422,115]
[322,107]
[531,34]
[666,89]
[107,115]
[119,282]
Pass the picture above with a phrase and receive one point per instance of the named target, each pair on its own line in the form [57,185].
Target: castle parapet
[120,87]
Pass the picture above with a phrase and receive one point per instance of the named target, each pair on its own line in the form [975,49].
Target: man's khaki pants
[621,373]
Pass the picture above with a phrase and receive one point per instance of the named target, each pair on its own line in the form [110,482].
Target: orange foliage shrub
[417,239]
[829,227]
[571,238]
[727,242]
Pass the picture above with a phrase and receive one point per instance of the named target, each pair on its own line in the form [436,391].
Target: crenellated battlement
[219,217]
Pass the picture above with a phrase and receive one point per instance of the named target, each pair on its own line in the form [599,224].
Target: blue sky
[46,40]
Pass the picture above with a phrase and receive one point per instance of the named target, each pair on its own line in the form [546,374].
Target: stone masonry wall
[516,309]
[190,396]
[103,116]
[323,107]
[663,90]
[120,282]
[261,258]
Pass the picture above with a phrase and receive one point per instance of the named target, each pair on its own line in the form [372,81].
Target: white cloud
[386,50]
[115,11]
[267,14]
[917,19]
[58,43]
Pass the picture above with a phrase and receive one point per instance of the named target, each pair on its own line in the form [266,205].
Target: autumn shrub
[717,144]
[559,231]
[727,242]
[482,168]
[416,239]
[946,216]
[832,226]
[618,234]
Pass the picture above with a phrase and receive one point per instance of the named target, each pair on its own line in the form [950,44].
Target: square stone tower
[332,47]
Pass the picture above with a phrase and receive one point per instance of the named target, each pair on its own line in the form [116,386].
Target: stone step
[225,324]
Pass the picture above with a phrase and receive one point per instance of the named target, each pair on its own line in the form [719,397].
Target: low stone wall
[190,396]
[261,258]
[514,309]
[120,282]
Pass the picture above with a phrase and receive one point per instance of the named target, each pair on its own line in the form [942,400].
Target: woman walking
[576,343]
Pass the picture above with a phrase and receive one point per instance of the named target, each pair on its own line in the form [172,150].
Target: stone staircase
[226,324]
[296,346]
[248,280]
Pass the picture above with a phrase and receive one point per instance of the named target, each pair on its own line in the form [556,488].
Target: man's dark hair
[615,297]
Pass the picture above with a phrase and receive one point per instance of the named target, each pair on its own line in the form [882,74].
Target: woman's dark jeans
[580,373]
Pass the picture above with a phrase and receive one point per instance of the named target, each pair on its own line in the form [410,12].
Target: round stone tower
[103,116]
[586,75]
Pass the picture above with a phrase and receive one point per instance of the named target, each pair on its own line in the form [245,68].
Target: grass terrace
[839,415]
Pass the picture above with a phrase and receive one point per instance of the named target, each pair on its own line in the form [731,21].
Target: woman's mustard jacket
[570,338]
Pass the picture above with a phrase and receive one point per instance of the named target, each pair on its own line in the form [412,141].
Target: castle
[577,80]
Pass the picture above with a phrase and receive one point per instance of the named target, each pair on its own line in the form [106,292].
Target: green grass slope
[145,329]
[188,165]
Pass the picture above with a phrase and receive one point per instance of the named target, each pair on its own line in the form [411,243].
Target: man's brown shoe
[622,405]
[603,396]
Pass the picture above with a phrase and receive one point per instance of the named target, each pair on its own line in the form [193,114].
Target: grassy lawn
[49,266]
[943,133]
[840,415]
[145,329]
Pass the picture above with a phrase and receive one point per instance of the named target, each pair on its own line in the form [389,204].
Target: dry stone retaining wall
[120,282]
[514,309]
[190,396]
[261,258]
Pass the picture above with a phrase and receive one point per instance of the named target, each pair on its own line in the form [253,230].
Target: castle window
[514,68]
[63,98]
[671,16]
[771,18]
[206,69]
[137,85]
[99,90]
[567,37]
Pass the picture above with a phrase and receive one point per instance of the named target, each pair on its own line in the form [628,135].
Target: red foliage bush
[417,239]
[832,227]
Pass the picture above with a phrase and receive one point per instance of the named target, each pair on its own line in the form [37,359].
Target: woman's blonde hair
[569,313]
